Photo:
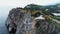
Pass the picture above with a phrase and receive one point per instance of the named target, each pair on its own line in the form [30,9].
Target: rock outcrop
[44,27]
[22,22]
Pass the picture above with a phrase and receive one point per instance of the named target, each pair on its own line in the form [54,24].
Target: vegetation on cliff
[46,26]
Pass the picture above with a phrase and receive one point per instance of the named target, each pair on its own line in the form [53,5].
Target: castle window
[28,27]
[26,21]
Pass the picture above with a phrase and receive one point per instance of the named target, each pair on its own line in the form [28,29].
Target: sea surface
[3,29]
[4,11]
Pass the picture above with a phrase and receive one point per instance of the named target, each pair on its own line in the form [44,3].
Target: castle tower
[25,26]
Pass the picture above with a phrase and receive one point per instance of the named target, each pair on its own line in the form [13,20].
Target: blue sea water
[4,11]
[3,29]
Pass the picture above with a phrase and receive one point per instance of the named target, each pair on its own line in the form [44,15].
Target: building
[26,25]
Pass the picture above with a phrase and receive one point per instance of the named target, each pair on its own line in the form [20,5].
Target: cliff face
[44,27]
[13,18]
[21,21]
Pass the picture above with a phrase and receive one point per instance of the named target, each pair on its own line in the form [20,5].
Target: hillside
[23,20]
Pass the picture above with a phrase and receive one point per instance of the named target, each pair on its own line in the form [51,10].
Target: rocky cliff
[21,22]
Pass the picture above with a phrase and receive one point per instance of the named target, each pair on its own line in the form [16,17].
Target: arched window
[26,21]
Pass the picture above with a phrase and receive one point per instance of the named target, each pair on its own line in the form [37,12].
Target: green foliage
[56,17]
[48,18]
[34,7]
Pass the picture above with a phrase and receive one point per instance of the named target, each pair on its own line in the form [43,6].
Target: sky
[39,2]
[23,3]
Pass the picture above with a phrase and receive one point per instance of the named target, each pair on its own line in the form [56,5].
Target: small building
[26,25]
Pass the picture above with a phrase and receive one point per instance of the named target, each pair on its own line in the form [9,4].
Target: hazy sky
[23,3]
